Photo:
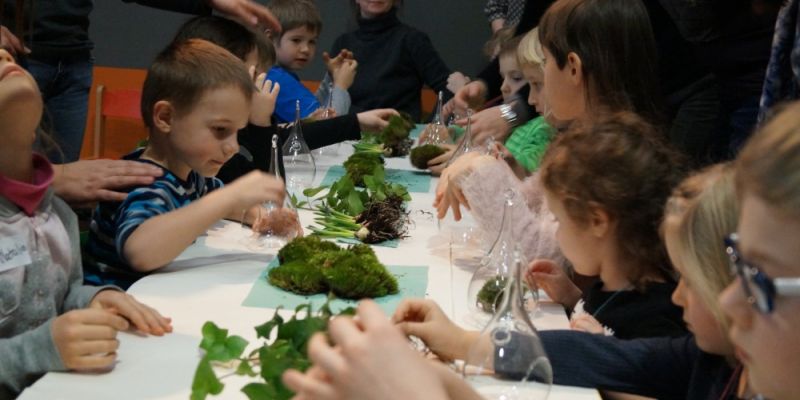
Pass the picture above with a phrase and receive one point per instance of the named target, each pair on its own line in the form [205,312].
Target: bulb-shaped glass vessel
[508,361]
[275,224]
[487,283]
[466,143]
[327,113]
[437,132]
[298,163]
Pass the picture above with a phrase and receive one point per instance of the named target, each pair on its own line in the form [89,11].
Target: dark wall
[129,36]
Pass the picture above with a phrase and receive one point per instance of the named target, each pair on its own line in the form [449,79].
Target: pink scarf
[29,195]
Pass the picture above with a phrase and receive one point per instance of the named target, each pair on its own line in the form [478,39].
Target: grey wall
[129,36]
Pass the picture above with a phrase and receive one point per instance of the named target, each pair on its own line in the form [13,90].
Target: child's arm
[158,240]
[291,91]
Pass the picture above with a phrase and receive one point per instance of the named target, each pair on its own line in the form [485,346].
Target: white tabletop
[209,281]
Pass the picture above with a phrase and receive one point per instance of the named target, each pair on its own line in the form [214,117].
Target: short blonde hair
[769,165]
[704,209]
[529,51]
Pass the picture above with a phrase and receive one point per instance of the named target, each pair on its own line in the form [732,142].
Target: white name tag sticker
[13,253]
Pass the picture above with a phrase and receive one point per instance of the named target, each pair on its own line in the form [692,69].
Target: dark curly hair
[621,164]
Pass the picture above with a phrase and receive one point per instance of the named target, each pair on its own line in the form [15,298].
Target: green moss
[355,277]
[422,154]
[360,164]
[299,277]
[490,295]
[353,273]
[303,248]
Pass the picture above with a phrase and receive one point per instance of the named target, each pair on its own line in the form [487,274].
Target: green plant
[392,141]
[266,363]
[361,164]
[420,155]
[353,273]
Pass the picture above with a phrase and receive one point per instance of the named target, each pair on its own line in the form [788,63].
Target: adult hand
[87,339]
[456,81]
[375,120]
[372,360]
[248,11]
[488,123]
[87,181]
[425,320]
[143,317]
[472,95]
[554,281]
[264,98]
[11,42]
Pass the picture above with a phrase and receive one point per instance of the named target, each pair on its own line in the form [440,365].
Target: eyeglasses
[761,290]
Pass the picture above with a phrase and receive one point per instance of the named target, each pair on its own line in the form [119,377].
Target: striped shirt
[114,222]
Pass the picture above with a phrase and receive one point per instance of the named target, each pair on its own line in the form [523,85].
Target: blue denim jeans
[65,89]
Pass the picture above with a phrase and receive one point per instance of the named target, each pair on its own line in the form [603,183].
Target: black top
[394,62]
[258,142]
[662,368]
[54,29]
[637,314]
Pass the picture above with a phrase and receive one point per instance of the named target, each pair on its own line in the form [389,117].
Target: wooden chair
[113,103]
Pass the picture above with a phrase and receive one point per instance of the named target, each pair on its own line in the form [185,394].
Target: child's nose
[230,147]
[6,56]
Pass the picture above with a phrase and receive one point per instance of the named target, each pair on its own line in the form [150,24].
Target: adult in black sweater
[394,62]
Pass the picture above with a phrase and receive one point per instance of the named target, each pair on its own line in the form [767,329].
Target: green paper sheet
[415,181]
[412,280]
[388,243]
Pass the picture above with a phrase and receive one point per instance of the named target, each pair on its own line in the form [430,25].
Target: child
[694,367]
[395,60]
[49,321]
[194,100]
[763,303]
[295,47]
[255,138]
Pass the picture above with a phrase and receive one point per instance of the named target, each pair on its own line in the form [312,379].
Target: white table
[209,281]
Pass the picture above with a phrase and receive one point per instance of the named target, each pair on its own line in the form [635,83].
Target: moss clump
[295,276]
[490,295]
[353,273]
[303,248]
[360,164]
[420,155]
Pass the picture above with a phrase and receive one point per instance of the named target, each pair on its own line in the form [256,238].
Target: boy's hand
[334,63]
[424,319]
[264,99]
[144,318]
[456,81]
[375,120]
[87,339]
[344,76]
[252,189]
[554,281]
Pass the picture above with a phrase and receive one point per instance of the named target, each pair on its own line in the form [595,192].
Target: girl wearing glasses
[764,301]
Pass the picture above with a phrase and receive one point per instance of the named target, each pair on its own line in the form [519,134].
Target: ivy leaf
[245,368]
[205,381]
[219,346]
[311,192]
[265,330]
[260,391]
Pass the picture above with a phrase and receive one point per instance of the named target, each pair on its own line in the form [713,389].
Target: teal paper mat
[413,282]
[414,134]
[388,243]
[416,182]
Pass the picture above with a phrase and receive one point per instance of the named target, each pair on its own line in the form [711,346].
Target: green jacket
[528,142]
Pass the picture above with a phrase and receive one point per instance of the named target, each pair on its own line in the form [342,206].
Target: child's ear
[600,222]
[268,32]
[163,113]
[575,66]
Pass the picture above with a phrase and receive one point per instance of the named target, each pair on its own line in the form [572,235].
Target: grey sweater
[40,278]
